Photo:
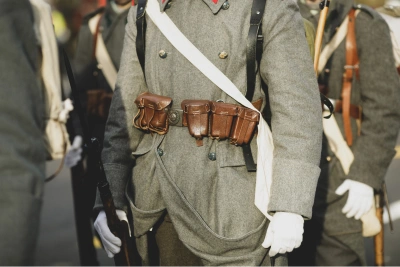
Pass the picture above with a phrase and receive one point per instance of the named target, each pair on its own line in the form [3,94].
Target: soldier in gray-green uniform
[333,237]
[206,190]
[22,148]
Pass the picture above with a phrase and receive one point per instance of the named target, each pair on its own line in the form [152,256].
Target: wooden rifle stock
[324,5]
[117,227]
[378,239]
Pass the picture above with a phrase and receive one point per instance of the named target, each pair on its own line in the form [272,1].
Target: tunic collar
[214,5]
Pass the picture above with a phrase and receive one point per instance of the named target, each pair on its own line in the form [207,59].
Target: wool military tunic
[377,92]
[211,199]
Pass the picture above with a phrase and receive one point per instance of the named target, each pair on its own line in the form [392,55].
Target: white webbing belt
[102,55]
[264,137]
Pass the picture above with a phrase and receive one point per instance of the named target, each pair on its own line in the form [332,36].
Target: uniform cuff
[293,187]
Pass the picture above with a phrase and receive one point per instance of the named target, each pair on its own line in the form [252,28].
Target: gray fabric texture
[211,203]
[22,150]
[378,93]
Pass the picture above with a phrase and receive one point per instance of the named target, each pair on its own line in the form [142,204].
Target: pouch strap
[350,69]
[254,53]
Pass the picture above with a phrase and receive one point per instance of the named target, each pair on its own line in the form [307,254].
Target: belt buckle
[175,117]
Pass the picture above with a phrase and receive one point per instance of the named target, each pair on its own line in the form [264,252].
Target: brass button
[328,158]
[160,152]
[212,156]
[223,55]
[168,5]
[225,5]
[162,54]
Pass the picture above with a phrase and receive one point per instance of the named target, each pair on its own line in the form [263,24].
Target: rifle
[381,199]
[117,227]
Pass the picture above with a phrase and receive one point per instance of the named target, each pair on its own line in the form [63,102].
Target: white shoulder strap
[102,55]
[264,137]
[334,43]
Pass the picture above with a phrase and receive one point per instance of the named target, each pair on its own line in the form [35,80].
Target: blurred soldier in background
[22,153]
[357,72]
[32,122]
[96,63]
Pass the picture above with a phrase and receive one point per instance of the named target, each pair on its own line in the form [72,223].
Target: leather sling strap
[254,52]
[141,33]
[350,69]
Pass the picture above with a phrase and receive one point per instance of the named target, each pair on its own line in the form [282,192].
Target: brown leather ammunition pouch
[98,103]
[195,117]
[244,125]
[153,113]
[221,118]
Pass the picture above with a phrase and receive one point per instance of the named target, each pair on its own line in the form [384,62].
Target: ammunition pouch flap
[153,113]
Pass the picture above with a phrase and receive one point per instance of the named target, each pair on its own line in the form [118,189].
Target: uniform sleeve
[287,68]
[380,99]
[120,137]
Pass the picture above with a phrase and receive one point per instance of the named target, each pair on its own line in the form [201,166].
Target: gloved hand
[360,198]
[110,242]
[285,233]
[73,155]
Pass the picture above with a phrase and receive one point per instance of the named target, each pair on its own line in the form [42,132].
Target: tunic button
[212,156]
[328,158]
[160,152]
[162,54]
[225,5]
[223,55]
[168,5]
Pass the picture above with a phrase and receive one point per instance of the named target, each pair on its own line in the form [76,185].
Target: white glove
[73,155]
[360,198]
[110,242]
[285,233]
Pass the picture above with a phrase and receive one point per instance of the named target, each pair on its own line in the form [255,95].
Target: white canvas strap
[334,43]
[102,55]
[264,137]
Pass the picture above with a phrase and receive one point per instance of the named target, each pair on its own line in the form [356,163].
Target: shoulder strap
[141,32]
[100,52]
[254,45]
[350,69]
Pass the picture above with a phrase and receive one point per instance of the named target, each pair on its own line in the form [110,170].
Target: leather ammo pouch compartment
[196,118]
[98,103]
[244,125]
[153,113]
[219,120]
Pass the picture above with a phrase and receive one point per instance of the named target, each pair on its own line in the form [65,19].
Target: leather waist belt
[203,118]
[355,111]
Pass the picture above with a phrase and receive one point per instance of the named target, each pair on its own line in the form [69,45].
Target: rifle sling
[350,69]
